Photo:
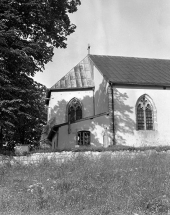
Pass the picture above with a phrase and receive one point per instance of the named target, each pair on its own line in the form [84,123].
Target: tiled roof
[79,77]
[131,70]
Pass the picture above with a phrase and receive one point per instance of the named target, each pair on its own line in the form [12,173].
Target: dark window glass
[74,110]
[140,118]
[78,113]
[149,121]
[144,114]
[83,138]
[72,114]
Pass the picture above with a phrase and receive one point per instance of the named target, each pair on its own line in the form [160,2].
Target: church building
[111,100]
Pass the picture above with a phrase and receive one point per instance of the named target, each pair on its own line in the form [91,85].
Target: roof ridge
[134,70]
[148,58]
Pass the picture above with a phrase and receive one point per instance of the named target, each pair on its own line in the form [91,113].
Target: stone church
[109,100]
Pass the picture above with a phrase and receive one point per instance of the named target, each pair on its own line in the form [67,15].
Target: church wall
[101,98]
[57,109]
[125,117]
[96,126]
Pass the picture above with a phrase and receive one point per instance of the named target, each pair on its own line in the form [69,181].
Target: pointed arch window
[74,110]
[144,114]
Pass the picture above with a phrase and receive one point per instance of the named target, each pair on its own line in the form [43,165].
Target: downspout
[113,119]
[93,103]
[57,136]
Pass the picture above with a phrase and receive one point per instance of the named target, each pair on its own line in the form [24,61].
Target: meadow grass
[120,183]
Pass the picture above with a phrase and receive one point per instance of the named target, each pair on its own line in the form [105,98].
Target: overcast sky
[136,28]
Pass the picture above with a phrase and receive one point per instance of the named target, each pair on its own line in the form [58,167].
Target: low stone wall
[38,157]
[65,156]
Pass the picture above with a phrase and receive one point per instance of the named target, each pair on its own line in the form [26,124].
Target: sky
[134,28]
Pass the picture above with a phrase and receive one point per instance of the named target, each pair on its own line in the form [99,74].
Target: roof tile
[130,70]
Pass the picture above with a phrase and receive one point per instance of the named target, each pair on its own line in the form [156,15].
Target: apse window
[83,138]
[144,114]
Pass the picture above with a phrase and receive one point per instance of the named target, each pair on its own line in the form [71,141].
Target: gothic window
[149,118]
[74,110]
[144,115]
[140,117]
[83,138]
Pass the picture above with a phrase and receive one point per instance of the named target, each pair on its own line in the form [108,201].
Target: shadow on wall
[58,112]
[45,131]
[123,123]
[96,127]
[101,105]
[88,105]
[100,124]
[101,98]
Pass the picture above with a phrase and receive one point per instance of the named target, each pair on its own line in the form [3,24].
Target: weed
[107,183]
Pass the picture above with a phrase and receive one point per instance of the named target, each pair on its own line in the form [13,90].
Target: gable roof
[118,70]
[80,76]
[133,71]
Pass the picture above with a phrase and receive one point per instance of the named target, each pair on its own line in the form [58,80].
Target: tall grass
[119,183]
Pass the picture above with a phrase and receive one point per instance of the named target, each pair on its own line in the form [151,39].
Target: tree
[31,115]
[29,31]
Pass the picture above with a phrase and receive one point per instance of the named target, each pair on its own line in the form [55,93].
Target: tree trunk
[1,138]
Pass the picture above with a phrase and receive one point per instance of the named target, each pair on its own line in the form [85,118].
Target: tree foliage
[25,123]
[29,31]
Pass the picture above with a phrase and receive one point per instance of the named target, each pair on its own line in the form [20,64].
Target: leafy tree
[29,116]
[29,31]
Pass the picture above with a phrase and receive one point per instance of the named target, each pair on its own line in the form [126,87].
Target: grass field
[121,183]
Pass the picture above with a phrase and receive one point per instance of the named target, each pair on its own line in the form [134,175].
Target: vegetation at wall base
[125,183]
[115,148]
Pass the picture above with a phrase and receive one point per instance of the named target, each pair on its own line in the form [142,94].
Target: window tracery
[144,114]
[74,110]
